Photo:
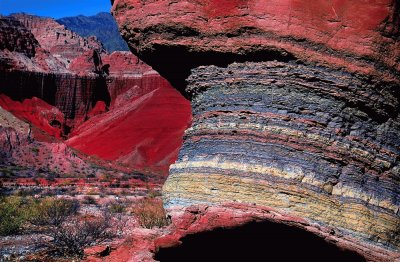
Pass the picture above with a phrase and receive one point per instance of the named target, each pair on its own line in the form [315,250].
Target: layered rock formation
[15,37]
[295,114]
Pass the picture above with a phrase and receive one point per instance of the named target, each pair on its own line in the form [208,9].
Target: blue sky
[55,8]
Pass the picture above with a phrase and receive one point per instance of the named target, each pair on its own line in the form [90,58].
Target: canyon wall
[12,35]
[144,127]
[115,110]
[62,43]
[295,114]
[19,49]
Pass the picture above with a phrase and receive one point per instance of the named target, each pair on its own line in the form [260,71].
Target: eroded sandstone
[295,111]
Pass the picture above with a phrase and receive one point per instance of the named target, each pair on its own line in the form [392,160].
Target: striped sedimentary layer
[307,141]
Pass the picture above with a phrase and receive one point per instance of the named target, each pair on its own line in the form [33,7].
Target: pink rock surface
[357,35]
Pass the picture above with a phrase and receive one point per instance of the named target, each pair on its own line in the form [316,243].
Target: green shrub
[69,232]
[150,213]
[35,150]
[11,215]
[116,207]
[51,211]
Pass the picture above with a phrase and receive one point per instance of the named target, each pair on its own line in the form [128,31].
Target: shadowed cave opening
[256,241]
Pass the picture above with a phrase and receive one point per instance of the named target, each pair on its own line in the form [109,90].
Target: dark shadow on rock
[101,92]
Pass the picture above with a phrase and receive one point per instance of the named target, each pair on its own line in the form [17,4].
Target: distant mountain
[102,25]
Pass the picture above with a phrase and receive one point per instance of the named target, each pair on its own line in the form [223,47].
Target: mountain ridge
[102,25]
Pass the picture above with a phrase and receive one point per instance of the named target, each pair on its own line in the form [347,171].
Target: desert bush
[26,192]
[150,213]
[69,232]
[116,207]
[89,200]
[70,238]
[11,215]
[51,211]
[35,150]
[152,193]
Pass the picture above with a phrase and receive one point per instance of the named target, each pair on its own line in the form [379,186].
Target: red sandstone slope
[144,131]
[37,112]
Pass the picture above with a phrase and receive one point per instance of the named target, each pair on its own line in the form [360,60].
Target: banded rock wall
[295,114]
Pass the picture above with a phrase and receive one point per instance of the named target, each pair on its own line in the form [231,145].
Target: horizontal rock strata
[291,137]
[295,109]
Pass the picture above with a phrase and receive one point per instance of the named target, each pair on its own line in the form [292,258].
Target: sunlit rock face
[61,42]
[295,113]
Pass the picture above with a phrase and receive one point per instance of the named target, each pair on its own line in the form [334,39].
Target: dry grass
[150,213]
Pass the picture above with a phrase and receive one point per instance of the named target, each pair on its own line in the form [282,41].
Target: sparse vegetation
[116,207]
[66,218]
[51,211]
[71,237]
[150,213]
[35,150]
[69,231]
[11,215]
[153,193]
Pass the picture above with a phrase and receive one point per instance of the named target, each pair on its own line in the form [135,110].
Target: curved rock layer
[296,111]
[361,36]
[292,137]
